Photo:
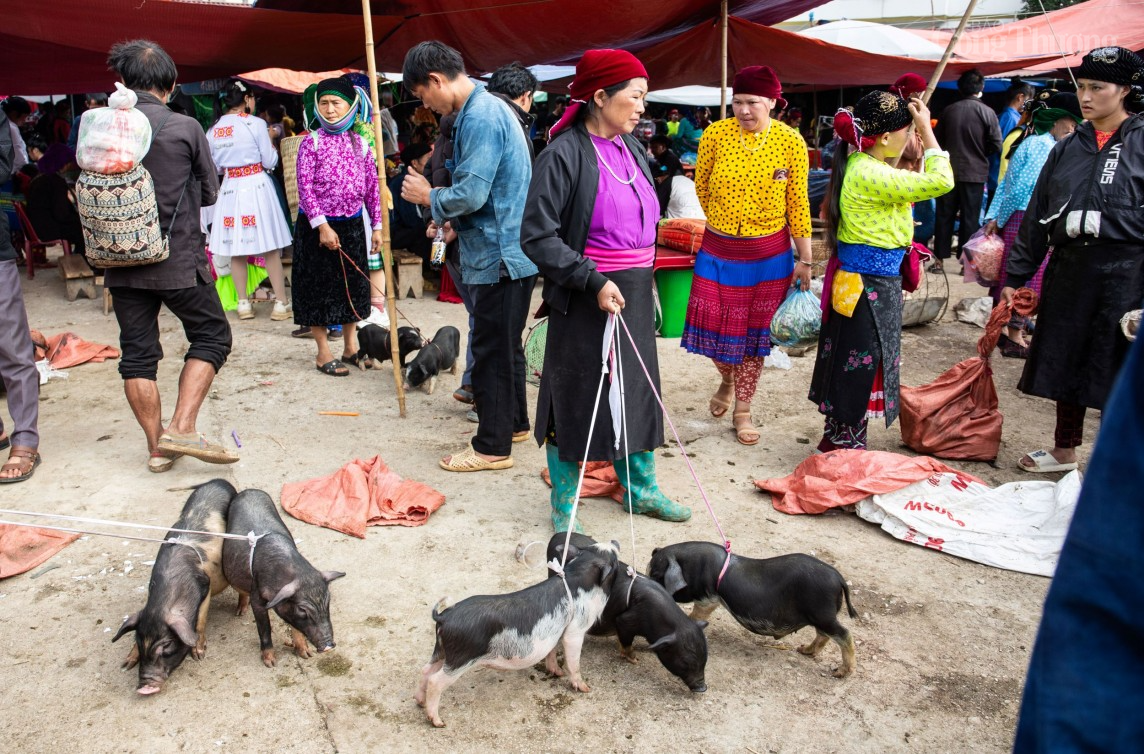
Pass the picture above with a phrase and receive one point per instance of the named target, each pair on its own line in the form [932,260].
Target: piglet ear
[702,624]
[331,575]
[673,579]
[130,623]
[284,593]
[616,544]
[663,643]
[184,630]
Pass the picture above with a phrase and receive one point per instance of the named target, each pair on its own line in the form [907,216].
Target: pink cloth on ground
[843,477]
[361,494]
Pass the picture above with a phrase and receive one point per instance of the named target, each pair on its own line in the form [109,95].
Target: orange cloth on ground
[22,548]
[361,494]
[843,477]
[599,481]
[68,350]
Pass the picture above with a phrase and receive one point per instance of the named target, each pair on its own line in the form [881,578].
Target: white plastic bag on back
[1019,526]
[115,138]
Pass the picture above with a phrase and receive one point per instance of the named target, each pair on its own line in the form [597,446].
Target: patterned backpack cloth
[115,195]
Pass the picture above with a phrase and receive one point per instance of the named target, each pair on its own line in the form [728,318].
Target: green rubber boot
[564,475]
[647,498]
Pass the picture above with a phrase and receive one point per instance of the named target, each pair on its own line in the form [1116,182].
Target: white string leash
[632,573]
[250,537]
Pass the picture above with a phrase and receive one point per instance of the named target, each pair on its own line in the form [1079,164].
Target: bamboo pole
[935,77]
[723,78]
[386,246]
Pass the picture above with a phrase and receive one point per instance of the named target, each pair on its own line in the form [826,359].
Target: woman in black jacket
[1087,207]
[590,225]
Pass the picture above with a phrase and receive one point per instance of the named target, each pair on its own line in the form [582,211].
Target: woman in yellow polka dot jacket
[870,226]
[751,181]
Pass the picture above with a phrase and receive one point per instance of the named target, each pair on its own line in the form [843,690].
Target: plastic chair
[33,243]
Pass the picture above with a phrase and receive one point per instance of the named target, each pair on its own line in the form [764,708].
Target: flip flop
[160,461]
[20,452]
[195,445]
[468,460]
[331,368]
[1044,463]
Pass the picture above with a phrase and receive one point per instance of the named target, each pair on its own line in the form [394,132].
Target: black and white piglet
[646,610]
[277,577]
[769,596]
[436,356]
[515,631]
[373,344]
[183,580]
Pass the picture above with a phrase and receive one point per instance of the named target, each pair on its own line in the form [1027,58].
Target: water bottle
[437,254]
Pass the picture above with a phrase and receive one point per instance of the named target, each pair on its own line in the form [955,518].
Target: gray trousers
[18,360]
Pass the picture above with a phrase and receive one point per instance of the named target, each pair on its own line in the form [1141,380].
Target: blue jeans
[1084,690]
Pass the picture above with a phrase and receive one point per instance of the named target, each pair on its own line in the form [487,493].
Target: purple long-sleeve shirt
[337,178]
[624,216]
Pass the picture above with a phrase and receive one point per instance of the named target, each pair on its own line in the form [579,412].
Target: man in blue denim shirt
[491,171]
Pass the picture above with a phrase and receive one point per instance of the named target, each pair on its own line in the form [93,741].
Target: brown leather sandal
[23,459]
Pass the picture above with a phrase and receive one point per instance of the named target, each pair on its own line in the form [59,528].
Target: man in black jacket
[17,355]
[516,85]
[179,161]
[969,131]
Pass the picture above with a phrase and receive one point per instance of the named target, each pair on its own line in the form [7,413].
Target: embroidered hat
[1116,65]
[875,114]
[907,84]
[761,81]
[597,69]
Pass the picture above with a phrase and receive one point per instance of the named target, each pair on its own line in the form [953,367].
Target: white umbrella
[875,38]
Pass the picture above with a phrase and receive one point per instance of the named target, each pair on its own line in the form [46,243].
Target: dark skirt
[1078,347]
[571,374]
[851,349]
[326,288]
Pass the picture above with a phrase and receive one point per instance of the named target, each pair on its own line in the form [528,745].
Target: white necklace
[635,168]
[766,135]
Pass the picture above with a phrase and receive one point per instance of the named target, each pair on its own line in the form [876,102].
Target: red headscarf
[907,84]
[598,69]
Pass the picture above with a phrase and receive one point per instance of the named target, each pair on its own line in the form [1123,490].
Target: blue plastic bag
[797,320]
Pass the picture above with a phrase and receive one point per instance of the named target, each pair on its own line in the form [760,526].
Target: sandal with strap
[468,460]
[26,467]
[331,368]
[745,431]
[160,461]
[719,406]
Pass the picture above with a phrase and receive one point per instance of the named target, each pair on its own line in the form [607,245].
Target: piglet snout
[327,648]
[699,688]
[149,689]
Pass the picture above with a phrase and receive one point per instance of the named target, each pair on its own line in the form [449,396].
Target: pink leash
[682,450]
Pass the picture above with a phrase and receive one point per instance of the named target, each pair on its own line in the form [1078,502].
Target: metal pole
[937,72]
[723,79]
[386,246]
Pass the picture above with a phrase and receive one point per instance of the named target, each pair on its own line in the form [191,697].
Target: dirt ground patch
[942,643]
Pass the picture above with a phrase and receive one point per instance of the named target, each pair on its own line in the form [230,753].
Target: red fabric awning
[1071,31]
[799,60]
[64,50]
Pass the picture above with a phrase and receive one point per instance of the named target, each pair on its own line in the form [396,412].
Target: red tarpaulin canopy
[1072,31]
[64,50]
[693,58]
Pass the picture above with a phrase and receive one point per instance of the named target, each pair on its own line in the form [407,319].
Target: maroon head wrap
[598,69]
[907,84]
[761,81]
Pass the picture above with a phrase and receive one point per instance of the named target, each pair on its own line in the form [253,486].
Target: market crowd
[573,193]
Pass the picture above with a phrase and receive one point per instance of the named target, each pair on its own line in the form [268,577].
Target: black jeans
[499,313]
[965,198]
[198,309]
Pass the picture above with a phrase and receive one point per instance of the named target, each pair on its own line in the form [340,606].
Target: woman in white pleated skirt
[248,220]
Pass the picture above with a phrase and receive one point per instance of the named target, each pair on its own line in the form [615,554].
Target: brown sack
[956,415]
